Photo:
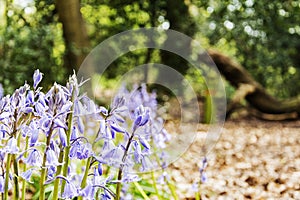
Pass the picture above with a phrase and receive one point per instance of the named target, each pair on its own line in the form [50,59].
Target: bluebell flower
[45,123]
[195,187]
[70,191]
[73,133]
[137,152]
[103,111]
[99,169]
[80,150]
[40,109]
[84,151]
[27,110]
[27,175]
[65,108]
[34,158]
[114,156]
[11,146]
[2,184]
[142,115]
[62,136]
[128,178]
[146,163]
[105,196]
[51,172]
[52,159]
[59,123]
[203,175]
[116,127]
[163,177]
[30,98]
[80,125]
[42,99]
[34,137]
[37,77]
[2,156]
[88,192]
[144,142]
[74,149]
[5,115]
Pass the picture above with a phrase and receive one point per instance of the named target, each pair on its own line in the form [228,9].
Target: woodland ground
[253,159]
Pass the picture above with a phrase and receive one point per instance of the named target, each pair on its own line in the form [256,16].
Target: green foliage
[266,37]
[108,18]
[30,38]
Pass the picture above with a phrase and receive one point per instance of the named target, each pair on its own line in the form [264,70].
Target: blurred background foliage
[263,37]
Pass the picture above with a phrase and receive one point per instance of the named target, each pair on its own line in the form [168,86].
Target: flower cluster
[53,134]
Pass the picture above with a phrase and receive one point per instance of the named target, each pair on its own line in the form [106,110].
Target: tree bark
[259,98]
[74,31]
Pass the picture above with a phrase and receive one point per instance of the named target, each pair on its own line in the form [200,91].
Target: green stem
[172,189]
[119,178]
[118,189]
[58,171]
[86,173]
[65,167]
[155,185]
[16,176]
[140,189]
[24,169]
[68,147]
[197,196]
[44,168]
[97,193]
[7,176]
[42,180]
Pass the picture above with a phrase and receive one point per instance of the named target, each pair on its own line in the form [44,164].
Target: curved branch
[259,98]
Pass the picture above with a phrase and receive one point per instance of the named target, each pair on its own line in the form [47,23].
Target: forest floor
[253,159]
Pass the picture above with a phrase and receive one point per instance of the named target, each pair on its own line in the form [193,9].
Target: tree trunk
[75,34]
[259,98]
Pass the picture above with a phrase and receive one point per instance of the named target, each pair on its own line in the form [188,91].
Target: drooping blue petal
[34,137]
[144,142]
[2,184]
[30,97]
[52,159]
[99,168]
[37,77]
[117,128]
[73,150]
[138,120]
[103,110]
[51,172]
[27,110]
[145,118]
[33,159]
[60,124]
[40,109]
[70,191]
[11,146]
[88,192]
[73,133]
[26,175]
[65,108]
[80,125]
[203,177]
[105,196]
[62,136]
[5,115]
